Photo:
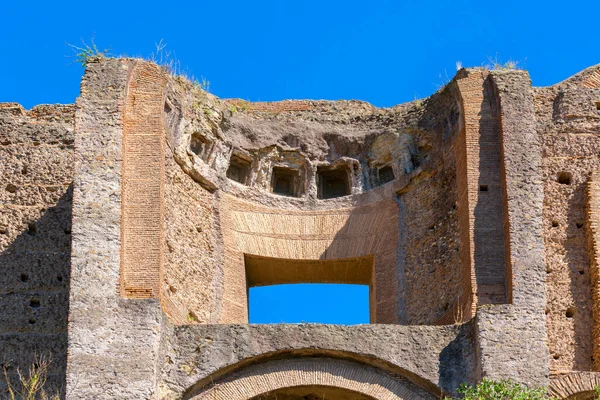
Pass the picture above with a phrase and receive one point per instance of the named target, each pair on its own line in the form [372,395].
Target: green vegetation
[161,56]
[166,59]
[30,385]
[502,390]
[86,52]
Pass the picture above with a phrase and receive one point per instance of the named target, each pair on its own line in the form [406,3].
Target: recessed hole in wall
[432,227]
[3,231]
[556,356]
[167,107]
[34,303]
[24,277]
[59,278]
[483,188]
[67,231]
[32,321]
[10,188]
[570,312]
[239,169]
[285,181]
[581,272]
[385,174]
[555,224]
[579,225]
[598,105]
[191,317]
[333,182]
[200,146]
[36,143]
[31,229]
[24,171]
[564,178]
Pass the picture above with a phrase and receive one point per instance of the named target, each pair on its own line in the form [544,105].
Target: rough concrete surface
[133,224]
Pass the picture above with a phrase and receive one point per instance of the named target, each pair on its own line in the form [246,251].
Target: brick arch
[269,376]
[574,386]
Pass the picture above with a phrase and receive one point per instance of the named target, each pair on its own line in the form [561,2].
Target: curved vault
[261,380]
[575,386]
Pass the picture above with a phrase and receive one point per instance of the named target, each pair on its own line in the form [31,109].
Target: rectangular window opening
[385,174]
[337,291]
[333,182]
[239,169]
[341,304]
[286,182]
[200,146]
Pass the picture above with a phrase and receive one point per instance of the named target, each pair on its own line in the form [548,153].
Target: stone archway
[312,393]
[575,386]
[259,380]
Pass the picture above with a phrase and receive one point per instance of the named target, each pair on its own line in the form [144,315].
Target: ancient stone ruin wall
[459,211]
[220,205]
[429,242]
[36,174]
[568,121]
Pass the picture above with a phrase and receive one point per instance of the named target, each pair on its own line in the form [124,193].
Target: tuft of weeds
[31,384]
[166,59]
[86,52]
[495,64]
[163,57]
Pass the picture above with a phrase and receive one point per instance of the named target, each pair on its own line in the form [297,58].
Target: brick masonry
[143,184]
[480,251]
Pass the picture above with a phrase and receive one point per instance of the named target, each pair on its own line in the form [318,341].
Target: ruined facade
[133,223]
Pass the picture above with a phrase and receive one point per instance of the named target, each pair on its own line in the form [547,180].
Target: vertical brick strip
[481,192]
[143,183]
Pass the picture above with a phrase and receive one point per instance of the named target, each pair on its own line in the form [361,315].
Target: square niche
[200,146]
[385,174]
[286,182]
[333,182]
[239,169]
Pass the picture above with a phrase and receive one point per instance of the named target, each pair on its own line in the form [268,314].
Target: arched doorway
[575,385]
[312,393]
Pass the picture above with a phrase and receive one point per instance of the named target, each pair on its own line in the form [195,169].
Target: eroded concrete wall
[456,196]
[568,124]
[36,174]
[113,341]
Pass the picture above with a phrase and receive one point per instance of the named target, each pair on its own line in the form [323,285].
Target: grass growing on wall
[30,384]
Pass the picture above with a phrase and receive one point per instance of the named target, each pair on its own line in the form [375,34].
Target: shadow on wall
[34,293]
[491,271]
[580,312]
[457,360]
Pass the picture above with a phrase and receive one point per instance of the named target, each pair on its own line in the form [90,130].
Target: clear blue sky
[384,52]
